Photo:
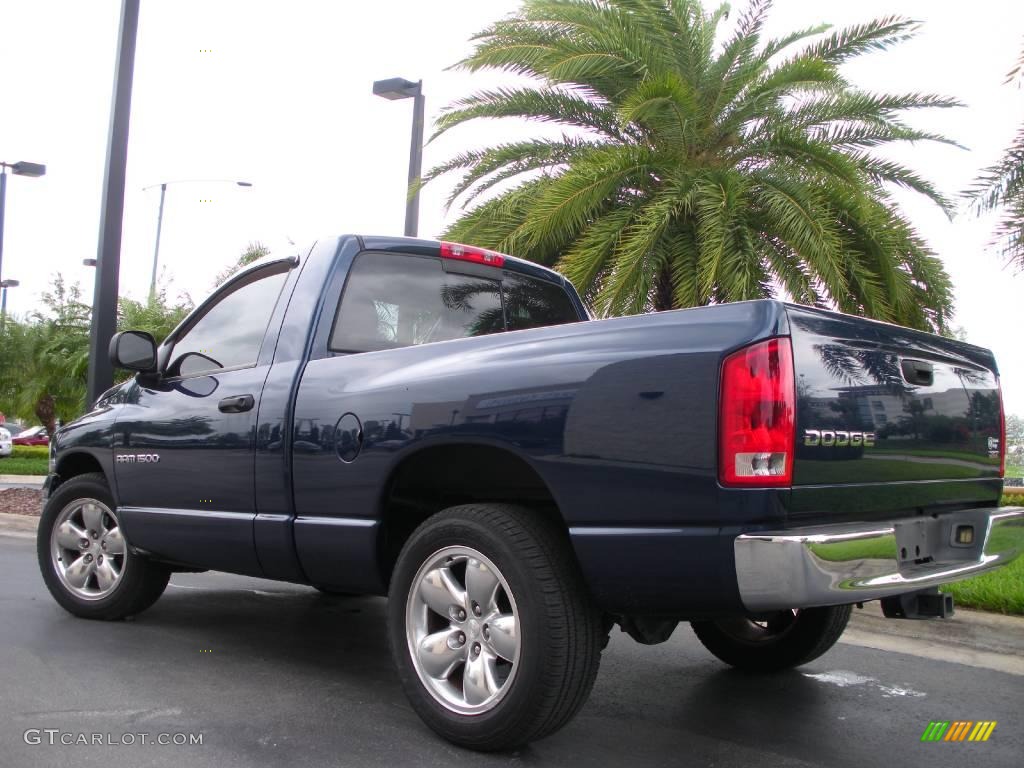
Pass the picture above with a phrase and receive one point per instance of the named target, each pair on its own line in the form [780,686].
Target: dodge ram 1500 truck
[448,426]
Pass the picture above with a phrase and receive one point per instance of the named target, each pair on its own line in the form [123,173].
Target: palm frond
[635,261]
[543,105]
[1000,187]
[877,35]
[777,45]
[857,107]
[587,257]
[491,166]
[880,170]
[665,104]
[568,203]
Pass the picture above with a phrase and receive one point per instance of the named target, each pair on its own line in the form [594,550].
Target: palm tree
[1001,186]
[690,173]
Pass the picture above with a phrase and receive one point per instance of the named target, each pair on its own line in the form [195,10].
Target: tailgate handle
[918,372]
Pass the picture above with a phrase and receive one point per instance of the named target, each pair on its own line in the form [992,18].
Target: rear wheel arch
[440,476]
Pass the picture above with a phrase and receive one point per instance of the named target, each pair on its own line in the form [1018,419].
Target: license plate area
[934,539]
[917,541]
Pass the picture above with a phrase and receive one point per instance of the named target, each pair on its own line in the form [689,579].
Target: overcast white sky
[282,99]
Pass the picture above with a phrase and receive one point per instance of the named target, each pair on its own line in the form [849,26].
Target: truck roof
[428,247]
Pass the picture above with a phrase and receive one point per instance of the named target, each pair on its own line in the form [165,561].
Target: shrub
[31,452]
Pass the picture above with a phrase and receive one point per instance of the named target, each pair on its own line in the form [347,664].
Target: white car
[5,442]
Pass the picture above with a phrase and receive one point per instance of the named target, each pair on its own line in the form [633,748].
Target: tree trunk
[46,412]
[663,290]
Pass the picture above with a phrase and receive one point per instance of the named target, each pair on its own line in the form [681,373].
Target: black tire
[561,633]
[786,640]
[142,581]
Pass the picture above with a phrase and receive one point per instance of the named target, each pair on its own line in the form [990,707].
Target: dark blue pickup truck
[448,426]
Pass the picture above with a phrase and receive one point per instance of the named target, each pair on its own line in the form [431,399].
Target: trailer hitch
[924,604]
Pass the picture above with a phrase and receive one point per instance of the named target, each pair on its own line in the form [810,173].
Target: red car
[32,436]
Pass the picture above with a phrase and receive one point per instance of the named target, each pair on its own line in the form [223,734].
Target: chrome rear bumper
[837,564]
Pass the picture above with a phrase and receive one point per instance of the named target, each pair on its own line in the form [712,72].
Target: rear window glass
[393,300]
[531,303]
[397,300]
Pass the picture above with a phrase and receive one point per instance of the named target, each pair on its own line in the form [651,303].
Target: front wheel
[492,630]
[86,563]
[780,641]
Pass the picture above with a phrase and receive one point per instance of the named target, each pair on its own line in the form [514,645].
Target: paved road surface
[278,675]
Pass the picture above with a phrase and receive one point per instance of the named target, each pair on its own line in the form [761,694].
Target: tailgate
[880,403]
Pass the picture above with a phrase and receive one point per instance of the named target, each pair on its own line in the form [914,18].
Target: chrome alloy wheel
[87,549]
[462,630]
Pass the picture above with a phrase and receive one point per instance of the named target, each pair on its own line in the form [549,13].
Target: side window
[230,333]
[531,303]
[397,300]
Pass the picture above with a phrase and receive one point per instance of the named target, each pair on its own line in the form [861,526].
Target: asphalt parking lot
[273,675]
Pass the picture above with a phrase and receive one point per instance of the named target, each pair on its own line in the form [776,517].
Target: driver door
[184,445]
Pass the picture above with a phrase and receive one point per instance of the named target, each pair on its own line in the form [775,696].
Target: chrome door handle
[237,404]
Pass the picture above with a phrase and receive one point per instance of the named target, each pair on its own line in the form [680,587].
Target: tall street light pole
[160,215]
[108,251]
[4,285]
[400,88]
[33,170]
[156,248]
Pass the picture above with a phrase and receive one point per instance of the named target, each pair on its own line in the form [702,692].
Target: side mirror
[134,350]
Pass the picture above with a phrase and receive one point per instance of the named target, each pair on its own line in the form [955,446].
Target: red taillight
[1002,432]
[470,253]
[756,429]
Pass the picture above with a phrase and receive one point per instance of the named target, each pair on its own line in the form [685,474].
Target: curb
[22,481]
[18,526]
[966,629]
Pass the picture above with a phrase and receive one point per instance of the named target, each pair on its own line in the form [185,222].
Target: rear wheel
[783,640]
[85,561]
[492,630]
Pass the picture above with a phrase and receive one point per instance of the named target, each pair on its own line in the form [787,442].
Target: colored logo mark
[958,730]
